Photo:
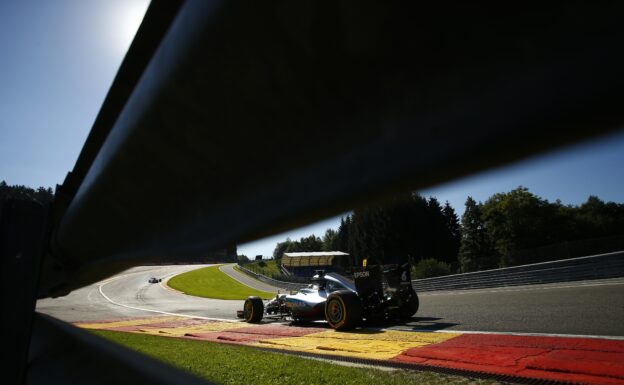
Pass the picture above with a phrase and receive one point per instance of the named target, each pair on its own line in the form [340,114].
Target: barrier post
[23,235]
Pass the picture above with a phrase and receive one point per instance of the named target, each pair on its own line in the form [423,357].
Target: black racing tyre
[410,307]
[343,310]
[253,309]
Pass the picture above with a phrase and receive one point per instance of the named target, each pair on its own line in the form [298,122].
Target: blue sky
[58,61]
[60,57]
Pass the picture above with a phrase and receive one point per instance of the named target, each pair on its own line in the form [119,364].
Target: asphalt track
[572,308]
[129,294]
[474,328]
[589,308]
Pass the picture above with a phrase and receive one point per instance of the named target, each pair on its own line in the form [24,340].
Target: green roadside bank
[264,267]
[210,282]
[237,268]
[227,364]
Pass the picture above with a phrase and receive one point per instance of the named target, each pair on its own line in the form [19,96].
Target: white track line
[100,288]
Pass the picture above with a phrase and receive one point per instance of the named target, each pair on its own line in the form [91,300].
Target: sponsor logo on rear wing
[361,274]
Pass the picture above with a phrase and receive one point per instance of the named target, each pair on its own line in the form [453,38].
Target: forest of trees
[495,233]
[499,232]
[42,195]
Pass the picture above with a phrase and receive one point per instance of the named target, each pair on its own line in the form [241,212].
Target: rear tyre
[253,309]
[343,310]
[410,307]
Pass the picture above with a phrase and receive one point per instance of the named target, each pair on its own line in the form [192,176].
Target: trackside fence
[601,266]
[273,282]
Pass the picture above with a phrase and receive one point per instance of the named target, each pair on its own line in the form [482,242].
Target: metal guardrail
[271,281]
[601,266]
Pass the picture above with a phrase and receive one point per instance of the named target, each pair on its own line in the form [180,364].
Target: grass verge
[264,267]
[226,364]
[210,282]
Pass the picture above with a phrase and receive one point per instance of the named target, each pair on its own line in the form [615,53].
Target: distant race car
[154,280]
[375,293]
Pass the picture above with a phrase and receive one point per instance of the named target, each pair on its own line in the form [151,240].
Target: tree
[342,238]
[436,233]
[430,267]
[306,244]
[405,227]
[330,240]
[280,249]
[42,195]
[519,220]
[366,238]
[599,219]
[476,251]
[454,232]
[242,259]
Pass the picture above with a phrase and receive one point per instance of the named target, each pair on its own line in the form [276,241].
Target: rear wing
[378,278]
[368,280]
[398,277]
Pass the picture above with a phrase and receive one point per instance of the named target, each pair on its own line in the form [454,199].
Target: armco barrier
[601,266]
[271,281]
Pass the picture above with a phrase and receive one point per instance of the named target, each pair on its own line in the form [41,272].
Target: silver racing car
[375,293]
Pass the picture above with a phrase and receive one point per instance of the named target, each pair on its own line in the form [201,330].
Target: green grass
[210,282]
[224,364]
[266,267]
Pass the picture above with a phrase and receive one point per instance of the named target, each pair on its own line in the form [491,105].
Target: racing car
[375,293]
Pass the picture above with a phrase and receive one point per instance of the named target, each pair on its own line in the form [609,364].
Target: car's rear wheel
[253,309]
[410,307]
[343,310]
